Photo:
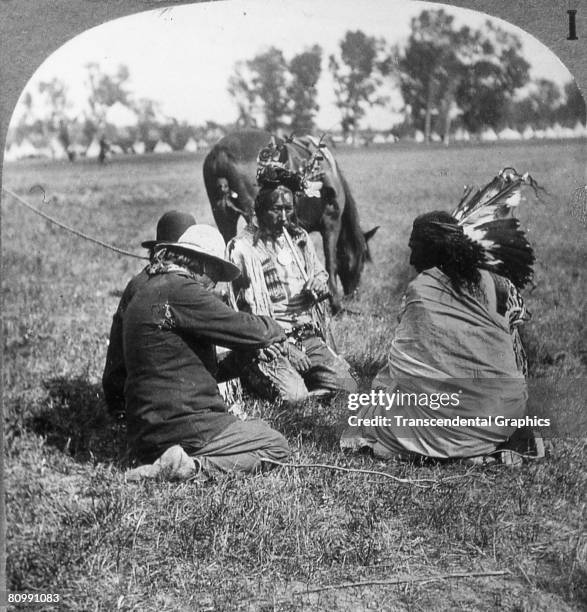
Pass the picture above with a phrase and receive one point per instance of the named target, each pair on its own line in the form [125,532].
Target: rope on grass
[415,482]
[401,580]
[67,227]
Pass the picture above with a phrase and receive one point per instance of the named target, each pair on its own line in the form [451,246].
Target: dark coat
[169,331]
[114,375]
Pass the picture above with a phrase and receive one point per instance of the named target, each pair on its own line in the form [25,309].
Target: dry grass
[257,543]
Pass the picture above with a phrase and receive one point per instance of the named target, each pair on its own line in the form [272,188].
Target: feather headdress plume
[274,166]
[486,216]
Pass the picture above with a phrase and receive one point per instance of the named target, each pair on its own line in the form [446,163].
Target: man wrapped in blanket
[455,375]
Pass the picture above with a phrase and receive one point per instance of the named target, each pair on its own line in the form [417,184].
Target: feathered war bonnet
[485,217]
[437,240]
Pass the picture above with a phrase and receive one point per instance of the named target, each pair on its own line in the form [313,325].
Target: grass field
[263,543]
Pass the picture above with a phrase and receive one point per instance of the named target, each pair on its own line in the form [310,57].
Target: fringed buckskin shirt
[271,284]
[169,331]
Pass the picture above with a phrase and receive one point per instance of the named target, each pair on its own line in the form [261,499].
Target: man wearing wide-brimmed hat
[177,423]
[170,227]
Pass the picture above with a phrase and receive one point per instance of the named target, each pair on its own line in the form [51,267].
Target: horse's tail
[210,172]
[217,164]
[221,163]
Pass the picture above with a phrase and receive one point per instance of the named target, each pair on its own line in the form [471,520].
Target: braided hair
[438,241]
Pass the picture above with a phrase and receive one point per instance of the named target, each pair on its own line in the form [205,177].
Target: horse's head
[351,261]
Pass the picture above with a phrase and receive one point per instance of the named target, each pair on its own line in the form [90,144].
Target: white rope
[67,227]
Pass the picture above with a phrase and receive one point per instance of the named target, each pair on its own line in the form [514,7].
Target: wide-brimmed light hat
[206,241]
[170,227]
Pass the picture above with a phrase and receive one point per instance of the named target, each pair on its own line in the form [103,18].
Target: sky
[183,56]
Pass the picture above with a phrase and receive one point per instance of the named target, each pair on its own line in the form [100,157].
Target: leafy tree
[270,82]
[64,138]
[53,122]
[241,90]
[444,71]
[176,134]
[538,108]
[23,128]
[493,71]
[89,130]
[429,68]
[106,90]
[357,76]
[27,106]
[55,93]
[260,85]
[148,125]
[573,107]
[302,91]
[213,131]
[271,92]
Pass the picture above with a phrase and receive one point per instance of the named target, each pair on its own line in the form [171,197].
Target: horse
[230,179]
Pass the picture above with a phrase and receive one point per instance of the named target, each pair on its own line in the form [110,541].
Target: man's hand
[273,351]
[298,359]
[317,288]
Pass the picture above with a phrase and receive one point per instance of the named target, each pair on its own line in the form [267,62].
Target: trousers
[278,379]
[241,447]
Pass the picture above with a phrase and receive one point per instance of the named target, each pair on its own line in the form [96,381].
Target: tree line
[448,77]
[47,115]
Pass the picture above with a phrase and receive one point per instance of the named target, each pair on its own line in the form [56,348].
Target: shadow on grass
[321,421]
[75,420]
[317,422]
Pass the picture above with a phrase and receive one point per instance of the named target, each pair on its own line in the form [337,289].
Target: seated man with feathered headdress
[454,383]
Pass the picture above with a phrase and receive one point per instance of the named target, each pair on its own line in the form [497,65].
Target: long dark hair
[443,244]
[263,201]
[165,255]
